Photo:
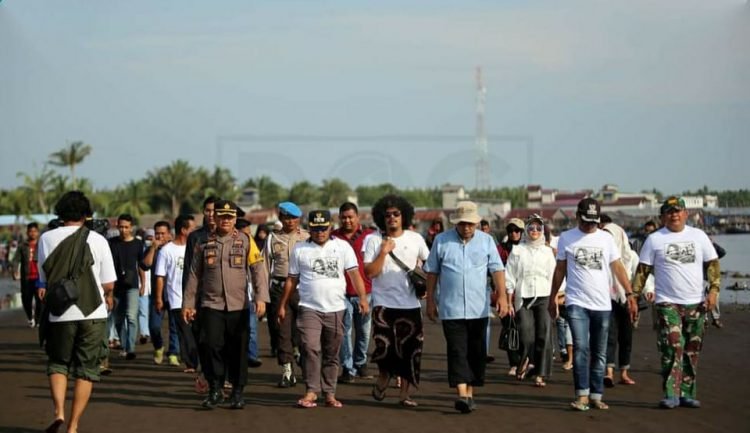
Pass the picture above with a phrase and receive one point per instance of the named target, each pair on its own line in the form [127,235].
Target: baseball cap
[672,203]
[225,208]
[518,222]
[319,220]
[589,210]
[289,208]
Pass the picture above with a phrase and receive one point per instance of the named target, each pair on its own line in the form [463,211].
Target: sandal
[522,370]
[627,381]
[378,393]
[567,366]
[579,406]
[55,426]
[334,403]
[308,401]
[408,402]
[539,382]
[598,404]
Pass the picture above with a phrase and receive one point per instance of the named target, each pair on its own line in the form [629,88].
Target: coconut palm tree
[304,193]
[174,185]
[270,192]
[220,183]
[71,156]
[37,186]
[334,192]
[132,198]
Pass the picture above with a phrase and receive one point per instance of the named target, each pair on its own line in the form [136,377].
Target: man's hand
[41,292]
[633,308]
[159,305]
[281,314]
[260,308]
[503,309]
[387,246]
[364,306]
[554,310]
[650,297]
[432,310]
[711,300]
[188,315]
[142,291]
[109,300]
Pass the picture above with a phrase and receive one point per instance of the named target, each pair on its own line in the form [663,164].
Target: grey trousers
[320,335]
[535,329]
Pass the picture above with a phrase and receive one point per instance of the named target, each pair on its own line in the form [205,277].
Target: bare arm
[432,310]
[500,293]
[561,270]
[159,294]
[622,277]
[290,285]
[374,268]
[359,287]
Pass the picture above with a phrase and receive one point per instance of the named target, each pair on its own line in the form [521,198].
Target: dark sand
[143,397]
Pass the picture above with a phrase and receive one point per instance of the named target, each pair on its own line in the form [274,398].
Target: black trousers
[284,335]
[188,346]
[223,341]
[620,334]
[467,350]
[28,297]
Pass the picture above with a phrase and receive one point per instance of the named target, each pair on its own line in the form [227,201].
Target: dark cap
[225,208]
[319,220]
[589,210]
[672,203]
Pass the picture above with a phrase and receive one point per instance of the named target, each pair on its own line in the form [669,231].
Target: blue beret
[290,209]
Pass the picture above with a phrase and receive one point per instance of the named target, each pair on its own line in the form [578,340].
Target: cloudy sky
[580,93]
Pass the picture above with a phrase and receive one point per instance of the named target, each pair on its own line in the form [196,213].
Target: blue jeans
[154,324]
[126,317]
[351,360]
[252,336]
[143,313]
[590,330]
[564,337]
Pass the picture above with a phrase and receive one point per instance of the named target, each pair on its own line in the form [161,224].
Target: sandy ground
[143,397]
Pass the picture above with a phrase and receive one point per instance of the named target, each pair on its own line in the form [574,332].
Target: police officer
[277,252]
[218,277]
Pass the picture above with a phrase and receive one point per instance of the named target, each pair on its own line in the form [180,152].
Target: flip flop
[627,382]
[539,382]
[55,426]
[408,402]
[334,404]
[579,406]
[307,404]
[598,404]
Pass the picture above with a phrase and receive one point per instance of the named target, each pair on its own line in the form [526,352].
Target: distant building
[452,194]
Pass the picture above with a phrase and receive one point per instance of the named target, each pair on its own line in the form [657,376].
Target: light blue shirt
[462,274]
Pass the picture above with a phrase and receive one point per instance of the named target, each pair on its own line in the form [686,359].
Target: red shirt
[356,241]
[33,268]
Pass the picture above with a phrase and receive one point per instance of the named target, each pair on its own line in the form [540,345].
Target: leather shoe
[215,398]
[236,400]
[287,382]
[346,378]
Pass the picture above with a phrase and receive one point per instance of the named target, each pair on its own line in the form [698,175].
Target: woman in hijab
[528,278]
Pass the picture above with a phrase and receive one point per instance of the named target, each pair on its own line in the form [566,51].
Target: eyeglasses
[394,214]
[535,228]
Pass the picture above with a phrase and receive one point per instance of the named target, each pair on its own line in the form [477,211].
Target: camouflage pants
[680,339]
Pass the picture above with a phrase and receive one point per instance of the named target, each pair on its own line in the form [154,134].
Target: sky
[579,93]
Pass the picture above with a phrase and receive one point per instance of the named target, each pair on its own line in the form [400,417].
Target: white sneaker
[32,323]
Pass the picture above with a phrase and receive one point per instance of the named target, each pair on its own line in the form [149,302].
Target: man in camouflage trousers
[677,255]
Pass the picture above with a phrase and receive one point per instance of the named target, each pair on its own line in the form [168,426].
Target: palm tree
[174,185]
[70,157]
[304,193]
[334,192]
[132,199]
[270,192]
[36,187]
[219,183]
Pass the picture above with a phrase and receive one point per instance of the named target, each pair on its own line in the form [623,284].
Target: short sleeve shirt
[589,279]
[170,264]
[677,258]
[321,270]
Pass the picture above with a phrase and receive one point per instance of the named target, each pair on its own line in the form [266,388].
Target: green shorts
[76,348]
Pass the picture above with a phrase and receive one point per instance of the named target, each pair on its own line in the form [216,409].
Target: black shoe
[362,372]
[254,362]
[143,339]
[490,359]
[346,378]
[287,382]
[472,404]
[130,356]
[215,398]
[236,400]
[463,405]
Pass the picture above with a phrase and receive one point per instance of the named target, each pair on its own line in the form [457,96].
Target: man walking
[75,337]
[589,259]
[354,356]
[127,252]
[217,284]
[460,260]
[276,254]
[676,254]
[162,235]
[316,270]
[25,268]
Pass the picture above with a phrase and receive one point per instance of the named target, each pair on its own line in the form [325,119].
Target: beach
[143,397]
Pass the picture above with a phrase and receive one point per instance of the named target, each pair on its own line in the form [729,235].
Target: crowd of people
[339,299]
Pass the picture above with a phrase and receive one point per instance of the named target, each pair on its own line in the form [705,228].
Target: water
[738,252]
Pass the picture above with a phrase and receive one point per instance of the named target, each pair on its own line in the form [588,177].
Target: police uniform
[217,285]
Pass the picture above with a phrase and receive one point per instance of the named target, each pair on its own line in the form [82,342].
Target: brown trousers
[320,340]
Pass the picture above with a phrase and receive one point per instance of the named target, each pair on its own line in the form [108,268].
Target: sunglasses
[515,230]
[394,214]
[534,228]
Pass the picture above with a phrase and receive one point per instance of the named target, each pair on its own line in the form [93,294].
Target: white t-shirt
[391,288]
[170,264]
[588,256]
[321,271]
[677,258]
[103,268]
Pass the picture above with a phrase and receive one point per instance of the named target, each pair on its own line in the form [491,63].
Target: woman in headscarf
[620,326]
[528,276]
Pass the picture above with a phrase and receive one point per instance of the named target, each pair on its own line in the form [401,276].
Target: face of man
[466,230]
[32,233]
[393,219]
[349,220]
[161,234]
[320,236]
[126,229]
[648,228]
[586,226]
[209,217]
[225,224]
[189,229]
[289,223]
[486,228]
[675,219]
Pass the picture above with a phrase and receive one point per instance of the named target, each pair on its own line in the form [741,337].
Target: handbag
[62,294]
[509,338]
[417,277]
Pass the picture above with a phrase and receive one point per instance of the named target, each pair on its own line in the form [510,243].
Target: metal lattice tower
[482,168]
